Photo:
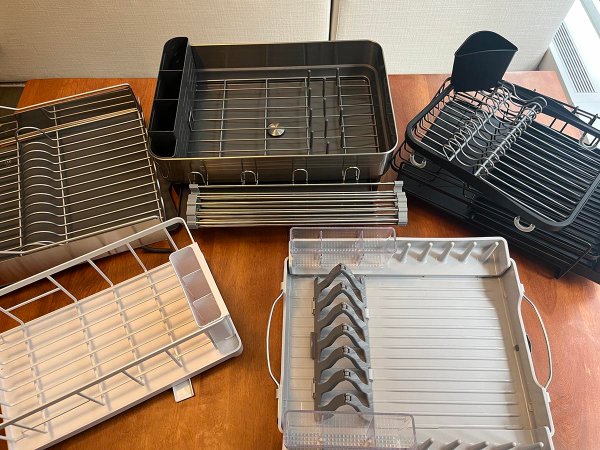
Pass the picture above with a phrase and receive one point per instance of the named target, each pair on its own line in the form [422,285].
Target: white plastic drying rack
[66,371]
[447,345]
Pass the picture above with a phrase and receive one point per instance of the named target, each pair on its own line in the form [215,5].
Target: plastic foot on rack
[184,390]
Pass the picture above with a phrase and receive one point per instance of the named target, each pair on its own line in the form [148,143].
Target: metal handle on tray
[418,165]
[269,336]
[547,384]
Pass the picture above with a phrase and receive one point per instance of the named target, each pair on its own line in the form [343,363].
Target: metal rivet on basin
[275,130]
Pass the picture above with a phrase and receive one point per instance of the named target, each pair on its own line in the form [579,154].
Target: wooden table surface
[235,405]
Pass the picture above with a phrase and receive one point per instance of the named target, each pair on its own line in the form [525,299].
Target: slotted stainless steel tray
[107,350]
[446,337]
[72,170]
[272,108]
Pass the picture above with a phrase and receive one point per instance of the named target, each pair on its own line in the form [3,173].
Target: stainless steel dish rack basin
[272,108]
[72,171]
[445,336]
[80,353]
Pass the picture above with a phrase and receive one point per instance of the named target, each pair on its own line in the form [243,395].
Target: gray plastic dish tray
[447,340]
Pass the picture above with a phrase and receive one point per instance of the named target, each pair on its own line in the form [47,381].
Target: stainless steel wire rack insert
[321,106]
[70,169]
[531,156]
[288,115]
[100,354]
[446,338]
[296,203]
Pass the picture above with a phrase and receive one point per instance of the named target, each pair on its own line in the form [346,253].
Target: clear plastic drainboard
[315,248]
[83,352]
[307,430]
[446,341]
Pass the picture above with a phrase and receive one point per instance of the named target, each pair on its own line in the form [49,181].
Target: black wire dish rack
[515,147]
[508,160]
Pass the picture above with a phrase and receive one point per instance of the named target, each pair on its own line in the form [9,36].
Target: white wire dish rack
[75,174]
[67,370]
[446,341]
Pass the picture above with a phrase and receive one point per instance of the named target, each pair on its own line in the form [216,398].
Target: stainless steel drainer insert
[287,115]
[71,169]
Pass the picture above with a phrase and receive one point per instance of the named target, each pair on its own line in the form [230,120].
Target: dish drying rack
[104,352]
[284,114]
[450,367]
[575,248]
[540,154]
[72,171]
[514,146]
[272,108]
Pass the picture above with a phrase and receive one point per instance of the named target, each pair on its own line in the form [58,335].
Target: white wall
[124,38]
[421,36]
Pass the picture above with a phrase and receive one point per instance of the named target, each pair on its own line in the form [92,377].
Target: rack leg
[184,390]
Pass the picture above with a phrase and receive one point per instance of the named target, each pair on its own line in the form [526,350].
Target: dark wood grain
[235,405]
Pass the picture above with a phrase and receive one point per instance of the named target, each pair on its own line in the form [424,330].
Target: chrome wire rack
[288,204]
[262,204]
[514,149]
[286,115]
[110,348]
[73,168]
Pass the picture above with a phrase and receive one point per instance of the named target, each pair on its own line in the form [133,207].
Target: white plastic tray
[446,336]
[83,363]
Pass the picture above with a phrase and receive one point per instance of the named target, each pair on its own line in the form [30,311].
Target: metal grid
[101,353]
[510,145]
[289,204]
[317,114]
[73,168]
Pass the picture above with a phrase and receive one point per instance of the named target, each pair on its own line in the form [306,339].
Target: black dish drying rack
[524,151]
[550,156]
[508,160]
[575,248]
